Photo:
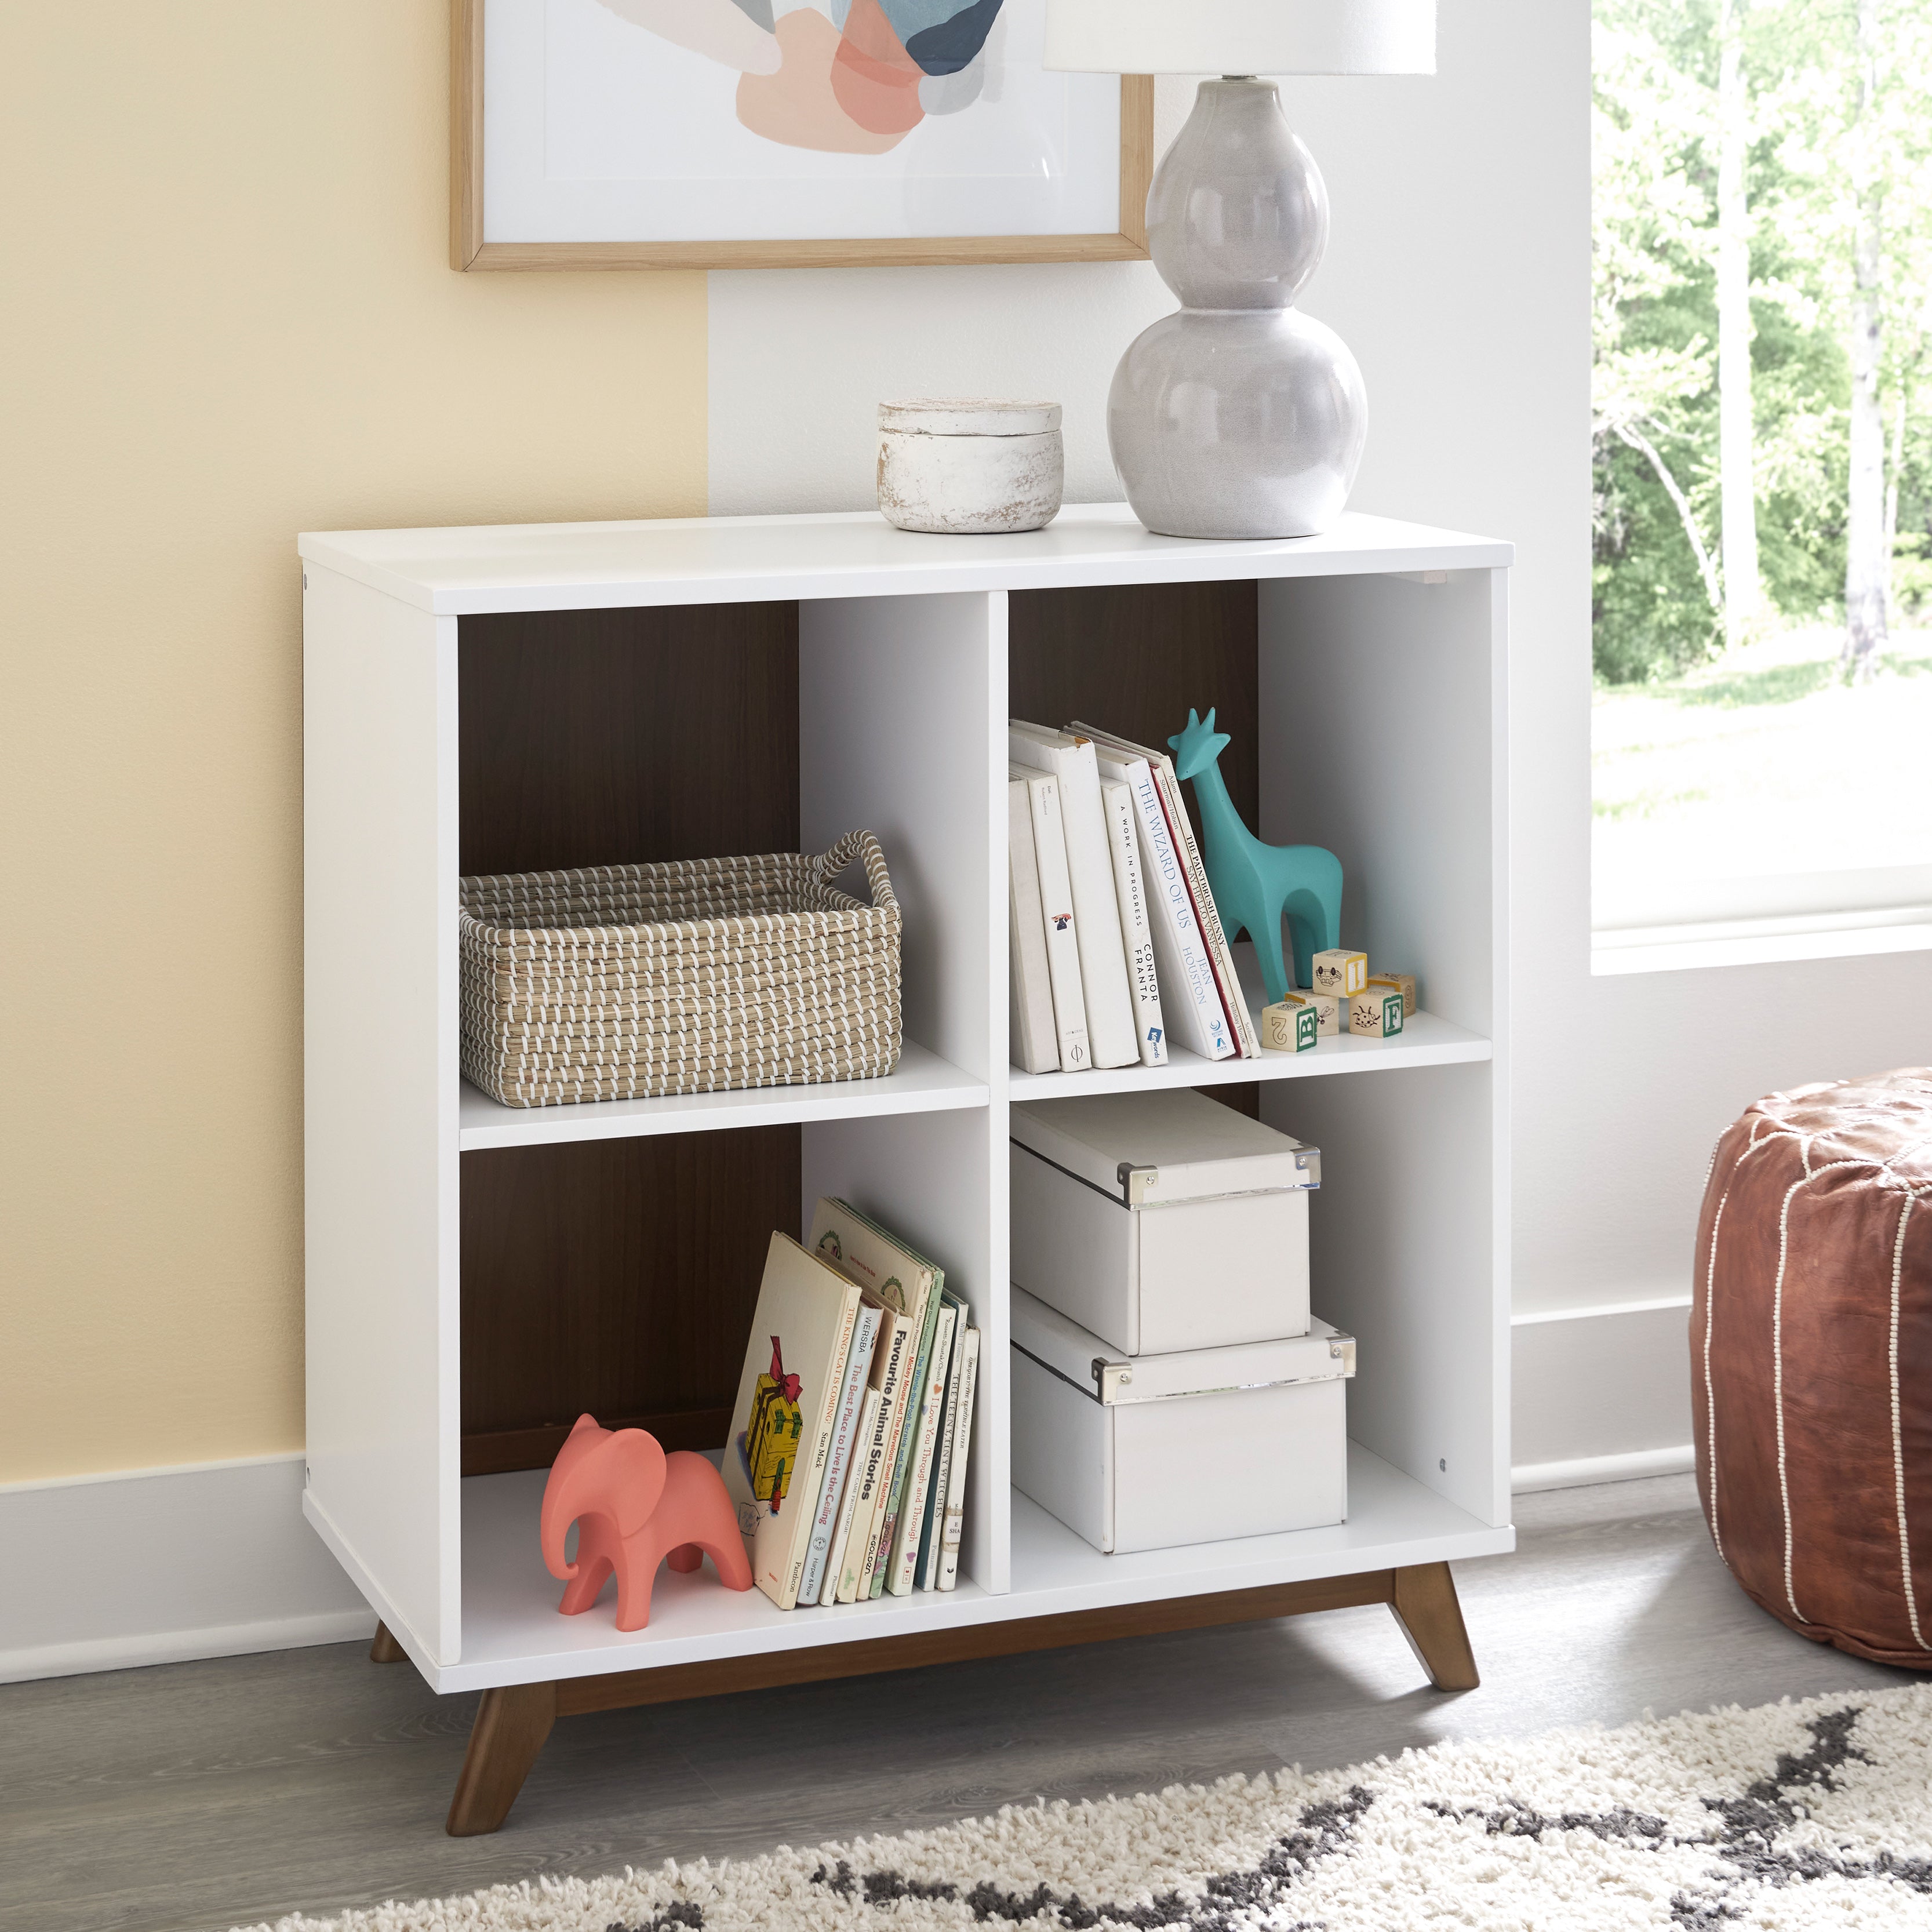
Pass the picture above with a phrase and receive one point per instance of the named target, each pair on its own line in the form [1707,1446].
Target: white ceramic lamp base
[1239,416]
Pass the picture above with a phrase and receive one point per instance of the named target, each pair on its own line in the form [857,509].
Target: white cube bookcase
[1381,718]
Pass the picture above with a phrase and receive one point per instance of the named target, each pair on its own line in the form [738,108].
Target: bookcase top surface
[469,571]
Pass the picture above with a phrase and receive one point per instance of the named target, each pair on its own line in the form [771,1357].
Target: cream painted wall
[226,316]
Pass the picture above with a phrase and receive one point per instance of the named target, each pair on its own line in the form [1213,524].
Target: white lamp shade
[1241,36]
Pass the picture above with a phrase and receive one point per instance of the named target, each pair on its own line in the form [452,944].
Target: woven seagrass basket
[625,982]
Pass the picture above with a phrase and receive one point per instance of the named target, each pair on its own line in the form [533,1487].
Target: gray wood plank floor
[195,1797]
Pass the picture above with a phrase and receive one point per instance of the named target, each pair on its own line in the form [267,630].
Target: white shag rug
[1792,1818]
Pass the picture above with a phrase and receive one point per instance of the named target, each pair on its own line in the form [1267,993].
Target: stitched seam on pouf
[1710,1393]
[1777,1355]
[1898,1429]
[1777,1383]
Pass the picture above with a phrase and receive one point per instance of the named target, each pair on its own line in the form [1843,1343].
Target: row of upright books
[1115,946]
[850,1434]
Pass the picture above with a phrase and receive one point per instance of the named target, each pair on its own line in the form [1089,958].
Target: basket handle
[859,845]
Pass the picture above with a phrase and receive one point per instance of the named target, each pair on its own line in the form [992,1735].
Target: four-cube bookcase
[519,699]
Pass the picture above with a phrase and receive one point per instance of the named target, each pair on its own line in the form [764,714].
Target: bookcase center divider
[525,699]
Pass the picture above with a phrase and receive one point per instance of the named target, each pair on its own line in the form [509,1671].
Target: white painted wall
[800,359]
[1459,273]
[211,1559]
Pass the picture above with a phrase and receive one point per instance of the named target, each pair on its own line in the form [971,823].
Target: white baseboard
[1583,1470]
[157,1566]
[1600,1394]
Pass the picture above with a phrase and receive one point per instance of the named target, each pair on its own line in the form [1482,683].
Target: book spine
[1062,932]
[812,1467]
[1117,802]
[874,1581]
[925,1574]
[1191,997]
[877,1537]
[848,1504]
[1232,1000]
[896,1350]
[841,1578]
[1034,1045]
[962,1444]
[1103,965]
[912,1511]
[931,1520]
[845,1434]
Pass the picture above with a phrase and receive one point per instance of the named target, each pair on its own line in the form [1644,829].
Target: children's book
[1060,929]
[925,1570]
[903,1556]
[892,1371]
[903,1279]
[782,1423]
[962,1442]
[1117,805]
[853,1386]
[1034,1043]
[1096,907]
[848,1503]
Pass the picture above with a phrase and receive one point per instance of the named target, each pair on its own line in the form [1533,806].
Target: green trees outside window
[1762,420]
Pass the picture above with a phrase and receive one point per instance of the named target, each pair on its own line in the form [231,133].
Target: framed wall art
[785,133]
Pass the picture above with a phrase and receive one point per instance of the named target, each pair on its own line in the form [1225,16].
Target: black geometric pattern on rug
[1742,1840]
[1323,1830]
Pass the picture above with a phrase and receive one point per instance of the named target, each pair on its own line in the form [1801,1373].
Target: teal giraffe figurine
[1254,884]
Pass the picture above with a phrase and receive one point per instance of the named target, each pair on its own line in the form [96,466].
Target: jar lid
[969,415]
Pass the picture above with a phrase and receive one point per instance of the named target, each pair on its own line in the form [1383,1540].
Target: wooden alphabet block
[1340,973]
[1404,983]
[1375,1013]
[1290,1025]
[1328,1014]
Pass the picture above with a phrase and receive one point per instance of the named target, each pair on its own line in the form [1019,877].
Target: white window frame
[1751,919]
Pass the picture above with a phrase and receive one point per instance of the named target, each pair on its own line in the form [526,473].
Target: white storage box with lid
[1162,1221]
[1152,1451]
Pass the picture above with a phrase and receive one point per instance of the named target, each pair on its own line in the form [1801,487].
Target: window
[1761,730]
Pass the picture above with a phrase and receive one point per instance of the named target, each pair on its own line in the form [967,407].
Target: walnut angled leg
[385,1649]
[511,1724]
[1426,1606]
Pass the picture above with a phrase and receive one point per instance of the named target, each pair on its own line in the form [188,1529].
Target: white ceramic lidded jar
[971,467]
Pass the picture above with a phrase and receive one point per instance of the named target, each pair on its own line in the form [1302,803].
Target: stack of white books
[849,1437]
[1115,945]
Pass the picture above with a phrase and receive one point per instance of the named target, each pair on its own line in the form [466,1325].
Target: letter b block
[1289,1026]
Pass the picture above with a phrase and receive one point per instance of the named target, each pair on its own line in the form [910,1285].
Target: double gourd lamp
[1239,416]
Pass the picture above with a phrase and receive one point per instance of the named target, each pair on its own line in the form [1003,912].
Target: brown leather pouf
[1811,1361]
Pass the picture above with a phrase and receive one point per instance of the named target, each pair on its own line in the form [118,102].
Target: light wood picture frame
[469,250]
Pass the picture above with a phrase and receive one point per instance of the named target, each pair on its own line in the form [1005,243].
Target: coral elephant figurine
[1254,884]
[635,1506]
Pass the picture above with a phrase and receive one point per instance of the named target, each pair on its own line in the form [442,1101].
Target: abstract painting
[774,133]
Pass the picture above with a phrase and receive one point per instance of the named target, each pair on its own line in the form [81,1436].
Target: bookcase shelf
[521,699]
[921,1083]
[512,1634]
[1426,1040]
